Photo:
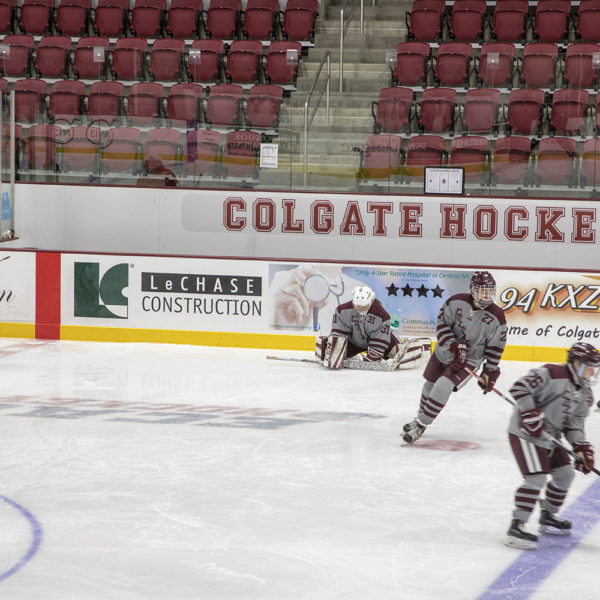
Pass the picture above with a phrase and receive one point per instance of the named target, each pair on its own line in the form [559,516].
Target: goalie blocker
[405,353]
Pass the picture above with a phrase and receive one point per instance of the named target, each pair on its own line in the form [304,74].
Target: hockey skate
[517,537]
[551,524]
[413,431]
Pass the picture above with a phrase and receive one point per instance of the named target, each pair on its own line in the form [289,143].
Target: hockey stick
[549,437]
[348,363]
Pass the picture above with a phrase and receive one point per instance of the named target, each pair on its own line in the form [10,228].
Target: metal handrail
[307,121]
[344,29]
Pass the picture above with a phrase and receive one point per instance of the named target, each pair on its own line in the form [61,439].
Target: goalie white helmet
[362,299]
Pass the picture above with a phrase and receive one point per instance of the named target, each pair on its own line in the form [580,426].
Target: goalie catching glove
[586,453]
[487,380]
[459,352]
[532,422]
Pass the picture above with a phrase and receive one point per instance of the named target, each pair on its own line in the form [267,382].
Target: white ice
[182,473]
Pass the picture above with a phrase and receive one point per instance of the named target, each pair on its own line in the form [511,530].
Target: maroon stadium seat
[411,63]
[224,104]
[496,65]
[128,58]
[121,151]
[18,61]
[281,62]
[510,19]
[569,109]
[110,17]
[147,18]
[205,60]
[81,149]
[473,154]
[222,19]
[590,163]
[41,145]
[422,151]
[8,12]
[30,95]
[241,153]
[259,19]
[480,111]
[166,60]
[105,101]
[555,161]
[52,56]
[510,163]
[243,61]
[144,103]
[166,143]
[262,106]
[551,20]
[392,112]
[203,151]
[466,23]
[72,17]
[425,20]
[183,104]
[184,18]
[35,16]
[579,70]
[65,102]
[436,109]
[452,63]
[299,18]
[588,21]
[383,157]
[525,108]
[538,65]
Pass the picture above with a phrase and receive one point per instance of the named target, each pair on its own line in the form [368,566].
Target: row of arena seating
[506,20]
[144,104]
[514,160]
[85,150]
[498,65]
[529,112]
[205,61]
[185,19]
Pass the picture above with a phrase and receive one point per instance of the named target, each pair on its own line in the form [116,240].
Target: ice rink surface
[138,471]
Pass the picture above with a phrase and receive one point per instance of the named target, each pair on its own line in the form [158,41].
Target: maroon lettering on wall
[453,221]
[511,215]
[263,211]
[410,213]
[230,220]
[321,216]
[485,222]
[380,209]
[290,225]
[352,223]
[583,219]
[547,217]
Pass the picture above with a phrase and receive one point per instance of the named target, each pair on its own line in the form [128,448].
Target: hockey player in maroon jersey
[471,329]
[363,324]
[550,401]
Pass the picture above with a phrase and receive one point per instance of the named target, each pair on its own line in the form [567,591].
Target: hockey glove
[459,350]
[487,379]
[532,422]
[586,453]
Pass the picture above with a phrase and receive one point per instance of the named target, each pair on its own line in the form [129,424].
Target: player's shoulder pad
[378,310]
[495,310]
[459,297]
[557,371]
[344,306]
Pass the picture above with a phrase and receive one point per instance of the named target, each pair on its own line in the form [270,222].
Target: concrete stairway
[332,163]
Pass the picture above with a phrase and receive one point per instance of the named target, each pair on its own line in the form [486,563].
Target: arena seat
[73,17]
[569,110]
[525,111]
[392,112]
[110,17]
[263,105]
[555,162]
[383,157]
[20,55]
[203,151]
[147,18]
[579,69]
[81,150]
[90,57]
[166,143]
[422,151]
[65,102]
[259,19]
[166,60]
[551,20]
[298,21]
[121,151]
[496,64]
[128,58]
[35,17]
[30,100]
[205,60]
[223,19]
[8,15]
[480,110]
[224,105]
[452,64]
[52,56]
[144,103]
[473,154]
[511,160]
[538,65]
[588,21]
[241,153]
[105,101]
[279,68]
[436,110]
[184,18]
[41,144]
[510,20]
[466,21]
[183,104]
[425,20]
[411,64]
[244,63]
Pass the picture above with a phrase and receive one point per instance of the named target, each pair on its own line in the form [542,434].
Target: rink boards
[264,304]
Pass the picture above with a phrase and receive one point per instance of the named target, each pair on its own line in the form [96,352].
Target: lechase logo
[100,294]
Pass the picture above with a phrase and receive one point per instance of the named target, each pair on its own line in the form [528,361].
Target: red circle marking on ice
[446,445]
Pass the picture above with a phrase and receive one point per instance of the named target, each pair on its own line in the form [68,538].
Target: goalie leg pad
[417,352]
[320,347]
[335,353]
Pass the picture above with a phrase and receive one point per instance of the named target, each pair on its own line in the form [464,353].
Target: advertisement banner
[163,293]
[17,287]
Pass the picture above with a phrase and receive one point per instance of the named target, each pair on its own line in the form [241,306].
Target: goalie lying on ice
[363,324]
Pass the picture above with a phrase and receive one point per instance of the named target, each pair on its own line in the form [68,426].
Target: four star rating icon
[422,291]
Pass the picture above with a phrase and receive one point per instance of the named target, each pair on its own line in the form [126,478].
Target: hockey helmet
[483,289]
[362,299]
[588,362]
